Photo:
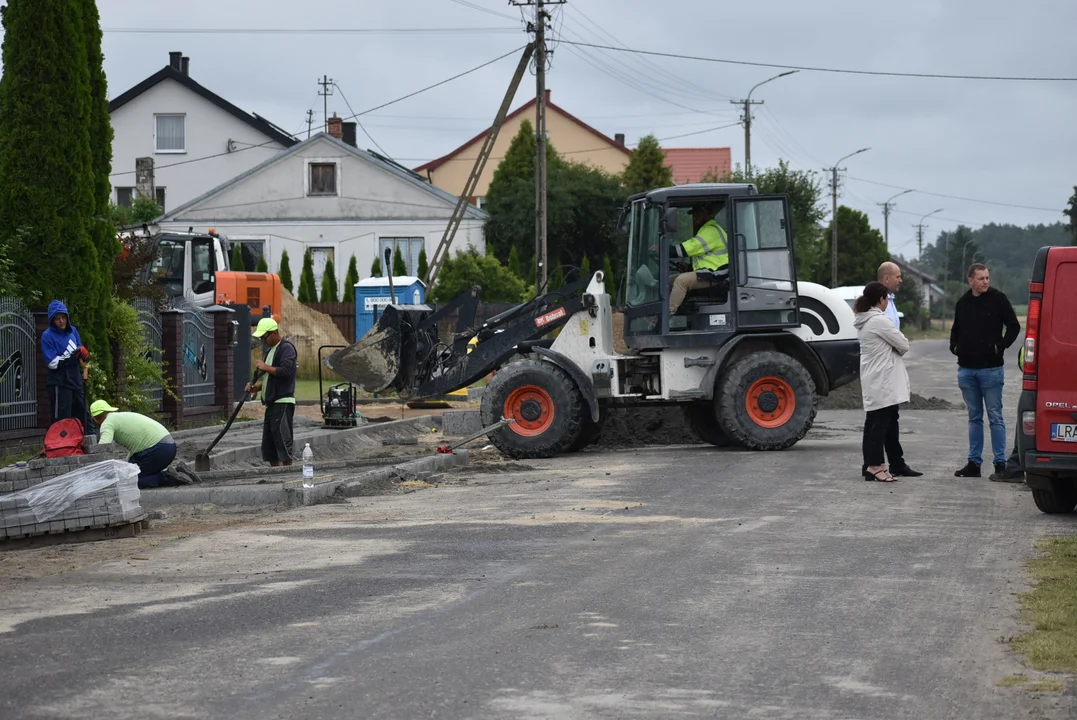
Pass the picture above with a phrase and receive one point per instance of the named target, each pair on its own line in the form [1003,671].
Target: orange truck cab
[1047,437]
[194,266]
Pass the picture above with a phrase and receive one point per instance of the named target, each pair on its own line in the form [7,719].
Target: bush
[143,370]
[469,268]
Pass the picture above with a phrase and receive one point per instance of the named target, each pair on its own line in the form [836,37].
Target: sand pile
[308,330]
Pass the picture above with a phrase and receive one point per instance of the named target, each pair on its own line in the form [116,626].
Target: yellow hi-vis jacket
[707,249]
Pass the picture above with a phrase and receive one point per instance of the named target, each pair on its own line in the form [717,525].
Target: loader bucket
[372,363]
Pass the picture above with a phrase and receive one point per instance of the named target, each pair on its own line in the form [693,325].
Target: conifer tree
[285,272]
[308,290]
[329,283]
[400,267]
[352,277]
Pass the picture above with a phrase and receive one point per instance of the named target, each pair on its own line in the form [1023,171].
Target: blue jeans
[983,388]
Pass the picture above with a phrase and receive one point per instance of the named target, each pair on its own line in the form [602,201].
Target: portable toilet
[373,294]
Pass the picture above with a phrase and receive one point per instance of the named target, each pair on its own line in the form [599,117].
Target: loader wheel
[545,403]
[766,401]
[703,422]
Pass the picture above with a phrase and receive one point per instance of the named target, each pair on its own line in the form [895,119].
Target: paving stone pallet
[88,534]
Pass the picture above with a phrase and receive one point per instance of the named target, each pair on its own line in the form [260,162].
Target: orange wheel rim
[770,402]
[532,409]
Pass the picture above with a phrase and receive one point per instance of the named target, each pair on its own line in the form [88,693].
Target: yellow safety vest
[708,248]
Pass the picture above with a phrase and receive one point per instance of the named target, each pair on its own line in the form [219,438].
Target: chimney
[185,64]
[619,138]
[335,127]
[174,60]
[547,97]
[348,134]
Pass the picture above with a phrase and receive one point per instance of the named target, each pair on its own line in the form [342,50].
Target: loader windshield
[643,264]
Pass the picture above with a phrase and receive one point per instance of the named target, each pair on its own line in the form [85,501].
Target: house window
[323,179]
[125,196]
[409,247]
[252,251]
[171,133]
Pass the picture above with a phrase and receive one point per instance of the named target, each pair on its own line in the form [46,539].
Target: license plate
[1063,432]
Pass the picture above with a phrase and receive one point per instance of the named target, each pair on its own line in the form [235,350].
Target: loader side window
[764,245]
[201,267]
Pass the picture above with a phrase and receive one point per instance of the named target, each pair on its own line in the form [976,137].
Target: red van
[1047,441]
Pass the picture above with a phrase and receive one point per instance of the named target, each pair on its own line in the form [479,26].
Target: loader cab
[187,264]
[755,293]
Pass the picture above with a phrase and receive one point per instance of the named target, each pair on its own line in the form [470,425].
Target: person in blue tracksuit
[66,359]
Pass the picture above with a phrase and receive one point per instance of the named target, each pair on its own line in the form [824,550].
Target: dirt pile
[637,427]
[849,397]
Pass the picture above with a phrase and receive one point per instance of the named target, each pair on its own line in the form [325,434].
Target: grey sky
[999,141]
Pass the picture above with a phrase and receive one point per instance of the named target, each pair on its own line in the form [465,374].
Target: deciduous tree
[647,169]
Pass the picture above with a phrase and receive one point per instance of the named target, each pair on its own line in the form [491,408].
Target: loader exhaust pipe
[389,274]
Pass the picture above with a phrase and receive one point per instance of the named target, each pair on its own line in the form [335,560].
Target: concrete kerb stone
[374,481]
[461,423]
[326,439]
[243,495]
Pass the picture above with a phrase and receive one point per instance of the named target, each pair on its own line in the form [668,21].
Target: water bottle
[308,466]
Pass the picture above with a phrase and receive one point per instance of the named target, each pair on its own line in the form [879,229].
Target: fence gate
[18,379]
[150,322]
[198,378]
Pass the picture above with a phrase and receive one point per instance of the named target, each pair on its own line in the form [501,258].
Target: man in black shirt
[977,339]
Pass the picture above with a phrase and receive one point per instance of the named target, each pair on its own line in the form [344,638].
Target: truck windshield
[167,267]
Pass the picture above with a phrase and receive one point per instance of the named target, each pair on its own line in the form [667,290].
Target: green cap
[100,406]
[265,326]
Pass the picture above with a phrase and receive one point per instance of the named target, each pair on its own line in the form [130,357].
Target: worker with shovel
[278,392]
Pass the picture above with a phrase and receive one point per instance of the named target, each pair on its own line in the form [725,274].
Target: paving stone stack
[25,475]
[92,495]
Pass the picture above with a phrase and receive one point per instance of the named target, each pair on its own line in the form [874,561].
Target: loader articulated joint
[587,390]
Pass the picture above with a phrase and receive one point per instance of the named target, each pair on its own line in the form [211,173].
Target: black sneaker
[905,471]
[970,470]
[1003,474]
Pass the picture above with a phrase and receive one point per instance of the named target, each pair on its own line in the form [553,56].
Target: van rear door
[1056,356]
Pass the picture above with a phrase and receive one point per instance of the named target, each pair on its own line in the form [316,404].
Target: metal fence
[18,379]
[150,322]
[198,385]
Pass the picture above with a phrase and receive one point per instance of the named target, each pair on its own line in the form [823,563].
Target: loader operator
[707,250]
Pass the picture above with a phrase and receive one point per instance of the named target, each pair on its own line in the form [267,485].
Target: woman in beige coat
[883,378]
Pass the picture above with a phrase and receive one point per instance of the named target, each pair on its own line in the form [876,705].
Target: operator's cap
[101,406]
[265,326]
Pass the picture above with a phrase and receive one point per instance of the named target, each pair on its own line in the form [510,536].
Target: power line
[360,124]
[958,197]
[437,84]
[819,69]
[480,8]
[316,31]
[365,112]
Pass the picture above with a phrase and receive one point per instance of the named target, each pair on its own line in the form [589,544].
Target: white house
[195,138]
[336,200]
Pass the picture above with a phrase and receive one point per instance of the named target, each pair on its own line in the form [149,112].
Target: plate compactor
[746,354]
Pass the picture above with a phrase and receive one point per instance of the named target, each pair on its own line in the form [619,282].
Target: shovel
[201,460]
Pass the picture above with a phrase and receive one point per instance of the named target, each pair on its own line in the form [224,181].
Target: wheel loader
[746,355]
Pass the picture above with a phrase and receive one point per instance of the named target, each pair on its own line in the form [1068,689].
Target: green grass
[1051,608]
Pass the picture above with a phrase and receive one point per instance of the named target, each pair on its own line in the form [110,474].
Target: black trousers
[877,429]
[277,432]
[69,403]
[895,454]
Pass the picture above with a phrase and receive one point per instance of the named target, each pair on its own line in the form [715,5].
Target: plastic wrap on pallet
[52,497]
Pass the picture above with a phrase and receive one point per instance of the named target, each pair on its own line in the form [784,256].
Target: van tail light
[1032,332]
[1028,422]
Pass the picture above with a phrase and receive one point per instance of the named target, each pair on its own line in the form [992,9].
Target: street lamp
[747,103]
[834,217]
[886,216]
[965,247]
[920,232]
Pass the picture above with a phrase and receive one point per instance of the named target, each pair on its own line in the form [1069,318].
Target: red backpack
[64,438]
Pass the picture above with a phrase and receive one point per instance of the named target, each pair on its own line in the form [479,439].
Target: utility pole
[538,26]
[310,121]
[327,89]
[886,216]
[834,216]
[747,119]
